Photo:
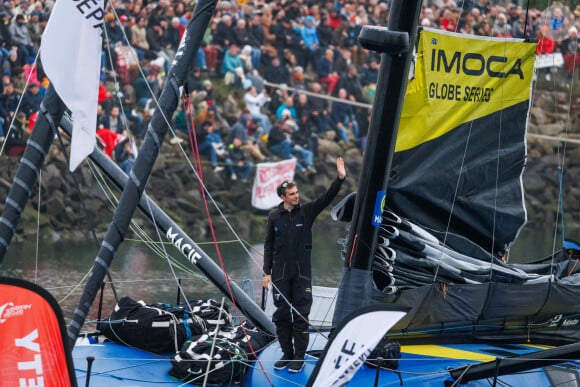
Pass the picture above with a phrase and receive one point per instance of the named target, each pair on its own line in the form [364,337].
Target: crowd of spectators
[290,69]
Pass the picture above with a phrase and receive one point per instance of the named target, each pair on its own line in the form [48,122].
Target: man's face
[291,197]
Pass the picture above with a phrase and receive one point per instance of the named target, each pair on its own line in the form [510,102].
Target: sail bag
[158,328]
[215,358]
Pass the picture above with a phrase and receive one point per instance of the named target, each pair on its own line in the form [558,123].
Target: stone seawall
[63,215]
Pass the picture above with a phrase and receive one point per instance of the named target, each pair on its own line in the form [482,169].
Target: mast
[396,55]
[141,171]
[186,246]
[51,110]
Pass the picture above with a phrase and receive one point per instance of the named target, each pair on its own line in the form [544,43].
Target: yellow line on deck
[445,352]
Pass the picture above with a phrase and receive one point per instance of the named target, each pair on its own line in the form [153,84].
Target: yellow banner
[459,78]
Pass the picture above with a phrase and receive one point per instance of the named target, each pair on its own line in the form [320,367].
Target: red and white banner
[32,337]
[71,58]
[268,177]
[350,345]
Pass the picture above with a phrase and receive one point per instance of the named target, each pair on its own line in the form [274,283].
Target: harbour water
[142,273]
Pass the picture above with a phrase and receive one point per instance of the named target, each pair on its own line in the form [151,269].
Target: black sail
[461,147]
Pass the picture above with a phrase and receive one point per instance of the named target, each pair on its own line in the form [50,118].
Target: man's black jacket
[289,235]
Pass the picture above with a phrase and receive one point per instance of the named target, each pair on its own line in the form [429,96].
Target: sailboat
[461,313]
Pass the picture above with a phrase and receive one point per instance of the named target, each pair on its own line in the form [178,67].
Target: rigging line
[457,381]
[544,16]
[497,171]
[139,231]
[167,257]
[205,188]
[144,237]
[562,160]
[561,198]
[559,208]
[154,98]
[187,107]
[207,370]
[214,238]
[458,17]
[83,205]
[38,226]
[198,173]
[455,193]
[573,267]
[82,280]
[163,254]
[124,120]
[555,138]
[135,228]
[74,288]
[136,59]
[560,167]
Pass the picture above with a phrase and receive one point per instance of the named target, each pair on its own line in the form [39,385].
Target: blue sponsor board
[379,206]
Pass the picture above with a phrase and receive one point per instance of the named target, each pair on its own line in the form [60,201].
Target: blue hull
[420,365]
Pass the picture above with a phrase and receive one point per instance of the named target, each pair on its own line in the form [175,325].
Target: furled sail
[461,145]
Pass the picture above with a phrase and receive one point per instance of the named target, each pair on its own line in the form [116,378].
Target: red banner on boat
[32,337]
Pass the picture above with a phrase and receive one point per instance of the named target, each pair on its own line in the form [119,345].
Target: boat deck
[118,365]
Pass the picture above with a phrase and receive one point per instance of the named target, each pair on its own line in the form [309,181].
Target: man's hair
[284,186]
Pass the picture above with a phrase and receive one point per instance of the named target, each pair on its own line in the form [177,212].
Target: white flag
[352,342]
[71,53]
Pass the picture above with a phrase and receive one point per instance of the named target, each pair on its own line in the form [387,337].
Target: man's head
[288,192]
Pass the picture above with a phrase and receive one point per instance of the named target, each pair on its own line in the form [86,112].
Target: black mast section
[396,56]
[51,111]
[148,153]
[205,264]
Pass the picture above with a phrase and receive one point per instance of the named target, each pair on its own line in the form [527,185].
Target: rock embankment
[71,206]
